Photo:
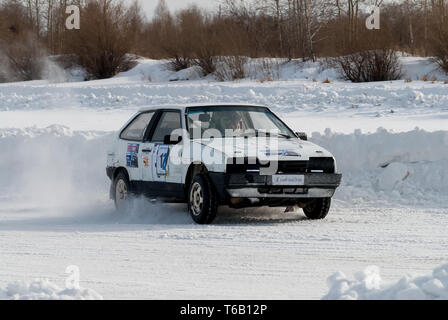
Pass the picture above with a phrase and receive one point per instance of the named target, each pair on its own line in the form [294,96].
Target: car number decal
[162,153]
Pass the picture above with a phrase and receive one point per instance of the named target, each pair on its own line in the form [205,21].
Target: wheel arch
[118,170]
[194,168]
[115,173]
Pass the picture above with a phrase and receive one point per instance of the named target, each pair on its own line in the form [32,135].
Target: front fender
[213,159]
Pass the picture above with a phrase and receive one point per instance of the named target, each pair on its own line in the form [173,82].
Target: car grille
[244,165]
[274,190]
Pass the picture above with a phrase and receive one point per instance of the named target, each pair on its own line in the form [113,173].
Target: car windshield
[234,121]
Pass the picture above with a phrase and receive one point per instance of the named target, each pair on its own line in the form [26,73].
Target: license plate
[288,180]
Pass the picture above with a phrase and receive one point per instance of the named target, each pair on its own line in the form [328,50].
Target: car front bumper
[254,185]
[257,193]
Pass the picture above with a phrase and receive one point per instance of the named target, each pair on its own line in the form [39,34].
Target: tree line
[113,31]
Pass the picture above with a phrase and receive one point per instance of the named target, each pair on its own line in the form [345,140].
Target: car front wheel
[202,200]
[317,209]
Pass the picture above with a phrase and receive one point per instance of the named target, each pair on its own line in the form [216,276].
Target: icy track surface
[157,253]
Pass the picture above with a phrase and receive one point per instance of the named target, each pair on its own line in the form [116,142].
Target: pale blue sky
[173,5]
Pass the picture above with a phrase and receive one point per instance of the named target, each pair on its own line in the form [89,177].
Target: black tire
[202,211]
[122,201]
[318,208]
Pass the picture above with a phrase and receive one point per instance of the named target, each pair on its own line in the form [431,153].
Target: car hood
[265,148]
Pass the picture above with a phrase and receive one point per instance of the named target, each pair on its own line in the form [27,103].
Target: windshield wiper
[268,134]
[285,135]
[257,133]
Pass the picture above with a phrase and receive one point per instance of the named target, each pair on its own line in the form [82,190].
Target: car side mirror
[302,136]
[169,139]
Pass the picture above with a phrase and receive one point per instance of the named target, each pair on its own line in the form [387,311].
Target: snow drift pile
[42,289]
[55,165]
[405,168]
[368,285]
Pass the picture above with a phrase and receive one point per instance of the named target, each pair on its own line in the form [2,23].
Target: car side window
[169,121]
[136,129]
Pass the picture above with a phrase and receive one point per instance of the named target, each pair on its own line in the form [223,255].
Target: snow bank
[414,68]
[368,285]
[149,70]
[381,99]
[42,289]
[150,83]
[401,168]
[156,71]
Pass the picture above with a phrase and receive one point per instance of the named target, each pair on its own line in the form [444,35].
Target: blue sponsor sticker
[132,155]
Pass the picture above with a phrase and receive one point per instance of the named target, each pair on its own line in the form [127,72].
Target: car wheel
[317,208]
[202,200]
[122,192]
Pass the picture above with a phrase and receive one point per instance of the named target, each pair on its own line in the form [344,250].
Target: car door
[158,154]
[131,140]
[147,148]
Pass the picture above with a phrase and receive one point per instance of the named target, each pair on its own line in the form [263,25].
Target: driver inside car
[231,121]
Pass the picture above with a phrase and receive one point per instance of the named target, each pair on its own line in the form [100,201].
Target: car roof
[184,106]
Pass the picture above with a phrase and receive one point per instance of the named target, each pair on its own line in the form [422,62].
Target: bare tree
[439,26]
[20,50]
[108,34]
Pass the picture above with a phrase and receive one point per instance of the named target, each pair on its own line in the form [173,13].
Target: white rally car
[220,154]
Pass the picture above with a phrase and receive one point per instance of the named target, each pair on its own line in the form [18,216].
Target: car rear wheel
[202,200]
[317,209]
[122,192]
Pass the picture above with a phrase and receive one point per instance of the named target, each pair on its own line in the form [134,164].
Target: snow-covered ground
[391,210]
[305,104]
